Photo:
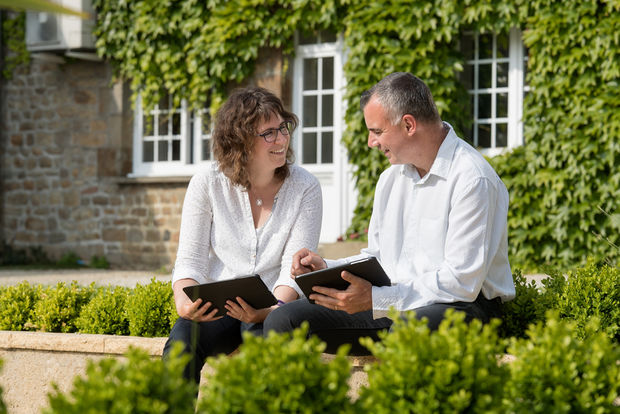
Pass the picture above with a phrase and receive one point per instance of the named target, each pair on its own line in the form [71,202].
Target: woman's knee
[278,320]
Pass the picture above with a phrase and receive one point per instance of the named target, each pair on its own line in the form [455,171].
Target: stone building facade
[66,151]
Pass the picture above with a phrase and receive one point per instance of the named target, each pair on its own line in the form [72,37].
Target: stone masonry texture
[65,153]
[65,148]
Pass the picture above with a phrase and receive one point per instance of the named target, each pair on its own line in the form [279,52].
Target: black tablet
[367,268]
[251,288]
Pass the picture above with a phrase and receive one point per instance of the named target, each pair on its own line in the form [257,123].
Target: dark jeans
[204,339]
[336,328]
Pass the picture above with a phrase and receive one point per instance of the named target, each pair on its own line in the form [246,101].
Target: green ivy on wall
[13,39]
[193,49]
[564,183]
[563,186]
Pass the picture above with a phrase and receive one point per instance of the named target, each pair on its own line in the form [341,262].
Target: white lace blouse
[218,240]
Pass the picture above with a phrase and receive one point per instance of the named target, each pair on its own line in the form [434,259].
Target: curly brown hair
[235,131]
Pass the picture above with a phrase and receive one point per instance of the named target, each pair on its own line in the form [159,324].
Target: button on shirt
[441,238]
[218,240]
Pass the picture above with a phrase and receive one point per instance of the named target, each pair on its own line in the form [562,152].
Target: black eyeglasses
[270,135]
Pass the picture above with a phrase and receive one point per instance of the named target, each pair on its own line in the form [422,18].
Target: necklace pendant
[259,202]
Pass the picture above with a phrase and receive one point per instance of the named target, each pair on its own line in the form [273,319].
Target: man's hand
[246,313]
[305,261]
[356,298]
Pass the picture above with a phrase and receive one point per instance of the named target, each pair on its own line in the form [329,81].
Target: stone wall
[66,148]
[65,152]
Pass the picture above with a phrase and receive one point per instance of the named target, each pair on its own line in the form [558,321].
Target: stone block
[17,140]
[135,236]
[114,234]
[71,198]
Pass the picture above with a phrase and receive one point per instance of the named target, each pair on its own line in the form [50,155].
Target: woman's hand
[193,311]
[246,313]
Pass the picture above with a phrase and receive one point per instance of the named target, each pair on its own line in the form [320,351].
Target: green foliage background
[563,186]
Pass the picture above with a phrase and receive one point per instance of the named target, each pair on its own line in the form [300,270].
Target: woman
[246,215]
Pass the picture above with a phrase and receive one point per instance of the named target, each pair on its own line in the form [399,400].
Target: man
[438,227]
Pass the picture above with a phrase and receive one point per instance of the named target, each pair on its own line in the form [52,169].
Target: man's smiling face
[391,139]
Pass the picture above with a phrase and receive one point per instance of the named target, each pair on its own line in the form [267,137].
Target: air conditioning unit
[51,32]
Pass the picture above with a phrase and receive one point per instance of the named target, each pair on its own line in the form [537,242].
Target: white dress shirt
[441,238]
[218,240]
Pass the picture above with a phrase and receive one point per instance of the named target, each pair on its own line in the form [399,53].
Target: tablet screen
[368,268]
[251,288]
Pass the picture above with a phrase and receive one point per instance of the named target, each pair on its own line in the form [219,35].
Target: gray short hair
[402,93]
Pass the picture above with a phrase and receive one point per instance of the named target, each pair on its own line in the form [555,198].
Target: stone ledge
[77,342]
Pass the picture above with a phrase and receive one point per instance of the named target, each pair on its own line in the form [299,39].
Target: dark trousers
[336,328]
[204,339]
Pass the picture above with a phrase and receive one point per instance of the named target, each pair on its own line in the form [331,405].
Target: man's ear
[410,124]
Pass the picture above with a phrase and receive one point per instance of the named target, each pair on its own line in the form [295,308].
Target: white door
[317,100]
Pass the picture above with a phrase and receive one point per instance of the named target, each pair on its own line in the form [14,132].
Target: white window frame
[322,50]
[185,166]
[516,88]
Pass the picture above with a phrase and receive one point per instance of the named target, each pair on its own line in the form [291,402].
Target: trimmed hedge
[146,310]
[457,369]
[282,373]
[557,371]
[139,385]
[452,370]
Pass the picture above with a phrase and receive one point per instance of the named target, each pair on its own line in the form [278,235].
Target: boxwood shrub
[105,313]
[16,306]
[150,309]
[283,373]
[587,292]
[139,385]
[555,371]
[451,370]
[58,308]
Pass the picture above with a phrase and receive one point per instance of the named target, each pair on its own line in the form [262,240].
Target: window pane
[308,38]
[501,135]
[163,124]
[328,110]
[309,148]
[502,105]
[162,150]
[310,74]
[467,77]
[502,75]
[484,105]
[502,45]
[485,46]
[148,125]
[176,150]
[176,124]
[206,149]
[310,111]
[327,148]
[468,46]
[328,37]
[484,135]
[147,151]
[328,73]
[485,76]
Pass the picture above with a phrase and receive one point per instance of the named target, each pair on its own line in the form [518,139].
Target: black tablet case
[251,288]
[367,268]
